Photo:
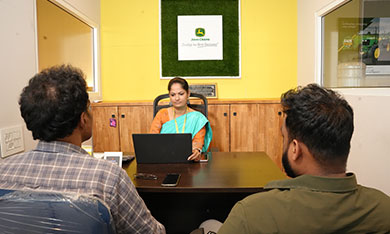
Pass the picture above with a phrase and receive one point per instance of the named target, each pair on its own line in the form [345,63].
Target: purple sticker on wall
[112,122]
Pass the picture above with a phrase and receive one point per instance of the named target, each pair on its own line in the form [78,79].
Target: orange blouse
[165,115]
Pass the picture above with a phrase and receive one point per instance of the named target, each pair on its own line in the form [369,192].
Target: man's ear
[296,149]
[83,119]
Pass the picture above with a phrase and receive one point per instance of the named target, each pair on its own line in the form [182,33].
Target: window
[355,45]
[65,38]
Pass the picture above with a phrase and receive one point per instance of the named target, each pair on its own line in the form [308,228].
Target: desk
[205,190]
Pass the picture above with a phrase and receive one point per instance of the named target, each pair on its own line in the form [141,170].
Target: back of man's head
[52,103]
[322,120]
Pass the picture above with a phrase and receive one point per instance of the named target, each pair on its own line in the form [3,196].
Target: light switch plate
[11,140]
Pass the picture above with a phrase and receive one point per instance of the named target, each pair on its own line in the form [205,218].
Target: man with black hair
[321,197]
[56,109]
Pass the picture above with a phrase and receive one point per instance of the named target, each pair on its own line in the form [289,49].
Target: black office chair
[202,107]
[51,212]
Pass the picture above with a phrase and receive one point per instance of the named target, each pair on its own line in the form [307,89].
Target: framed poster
[115,157]
[200,39]
[369,38]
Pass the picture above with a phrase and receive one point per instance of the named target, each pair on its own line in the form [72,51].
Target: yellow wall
[130,51]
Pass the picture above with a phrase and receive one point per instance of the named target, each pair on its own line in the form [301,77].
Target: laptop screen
[162,148]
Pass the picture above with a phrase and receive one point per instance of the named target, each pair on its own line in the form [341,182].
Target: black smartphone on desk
[171,180]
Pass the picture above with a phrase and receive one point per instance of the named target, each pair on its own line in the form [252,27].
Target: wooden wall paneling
[246,128]
[274,139]
[238,126]
[133,119]
[105,137]
[261,135]
[219,118]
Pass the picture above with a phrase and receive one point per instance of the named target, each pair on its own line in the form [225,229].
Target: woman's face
[178,95]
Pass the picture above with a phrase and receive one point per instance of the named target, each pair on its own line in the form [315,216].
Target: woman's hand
[196,155]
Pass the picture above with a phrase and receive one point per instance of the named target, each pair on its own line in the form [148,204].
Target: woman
[181,119]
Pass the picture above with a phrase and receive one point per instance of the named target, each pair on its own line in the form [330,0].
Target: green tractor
[369,46]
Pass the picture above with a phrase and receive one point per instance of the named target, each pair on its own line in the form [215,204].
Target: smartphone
[205,157]
[171,180]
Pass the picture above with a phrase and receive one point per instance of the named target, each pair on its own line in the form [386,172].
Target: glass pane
[64,39]
[356,45]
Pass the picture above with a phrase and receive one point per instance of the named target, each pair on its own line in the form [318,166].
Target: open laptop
[162,148]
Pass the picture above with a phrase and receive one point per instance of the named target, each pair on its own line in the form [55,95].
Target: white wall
[17,59]
[370,153]
[18,54]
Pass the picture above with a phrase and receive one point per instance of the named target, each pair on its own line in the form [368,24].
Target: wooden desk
[225,172]
[205,190]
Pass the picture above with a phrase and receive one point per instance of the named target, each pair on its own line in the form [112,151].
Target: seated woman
[181,119]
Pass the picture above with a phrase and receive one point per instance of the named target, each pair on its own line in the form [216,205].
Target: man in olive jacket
[321,197]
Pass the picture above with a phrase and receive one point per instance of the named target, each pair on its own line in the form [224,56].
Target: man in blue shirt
[57,111]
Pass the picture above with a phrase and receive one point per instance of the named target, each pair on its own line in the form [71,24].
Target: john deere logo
[200,32]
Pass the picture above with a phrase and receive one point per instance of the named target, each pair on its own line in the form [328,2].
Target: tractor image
[372,46]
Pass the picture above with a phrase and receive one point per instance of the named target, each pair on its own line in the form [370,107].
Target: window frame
[319,55]
[96,94]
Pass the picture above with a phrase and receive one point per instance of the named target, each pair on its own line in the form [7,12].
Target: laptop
[162,148]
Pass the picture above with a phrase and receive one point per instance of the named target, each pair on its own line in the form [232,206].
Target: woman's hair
[180,81]
[53,101]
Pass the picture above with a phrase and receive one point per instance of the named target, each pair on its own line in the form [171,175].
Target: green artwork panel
[171,66]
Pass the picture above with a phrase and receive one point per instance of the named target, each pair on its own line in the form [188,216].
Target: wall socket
[11,139]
